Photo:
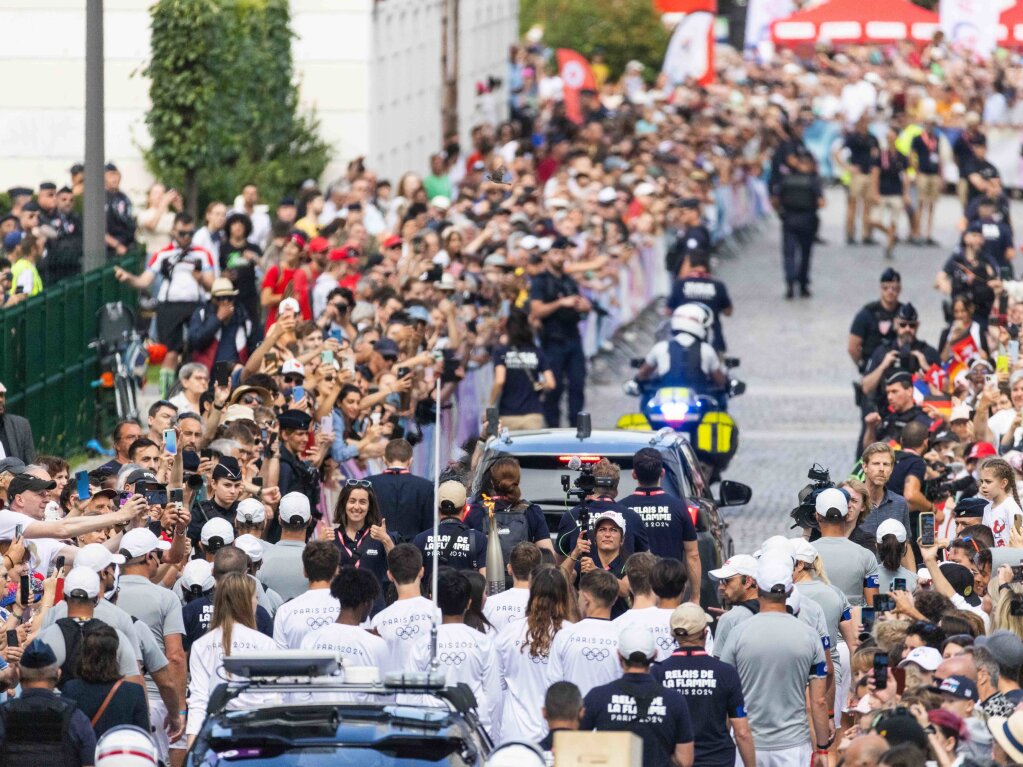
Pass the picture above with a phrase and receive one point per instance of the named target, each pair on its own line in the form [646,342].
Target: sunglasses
[363,483]
[185,233]
[293,379]
[252,399]
[906,324]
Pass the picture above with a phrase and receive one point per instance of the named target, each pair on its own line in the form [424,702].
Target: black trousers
[797,248]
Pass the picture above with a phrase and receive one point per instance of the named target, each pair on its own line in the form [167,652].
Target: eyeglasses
[252,399]
[185,233]
[363,483]
[906,324]
[293,379]
[223,299]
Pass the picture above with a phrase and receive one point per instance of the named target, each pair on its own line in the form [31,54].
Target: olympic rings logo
[407,632]
[318,623]
[665,643]
[453,658]
[596,654]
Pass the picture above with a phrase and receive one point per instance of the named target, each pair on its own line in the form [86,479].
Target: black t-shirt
[198,613]
[875,325]
[462,547]
[364,552]
[711,292]
[563,323]
[524,367]
[892,424]
[693,238]
[1002,205]
[236,267]
[981,167]
[666,518]
[912,365]
[997,239]
[906,464]
[714,693]
[120,218]
[863,150]
[892,165]
[617,707]
[928,159]
[636,538]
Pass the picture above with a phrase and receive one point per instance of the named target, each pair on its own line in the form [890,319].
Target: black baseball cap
[140,475]
[26,482]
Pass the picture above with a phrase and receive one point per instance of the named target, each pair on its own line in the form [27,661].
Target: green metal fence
[47,365]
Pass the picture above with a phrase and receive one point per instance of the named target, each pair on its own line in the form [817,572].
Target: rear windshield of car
[541,479]
[411,755]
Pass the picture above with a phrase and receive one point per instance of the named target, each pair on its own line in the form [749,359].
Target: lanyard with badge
[354,553]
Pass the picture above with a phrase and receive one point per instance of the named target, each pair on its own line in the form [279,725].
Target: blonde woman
[1007,603]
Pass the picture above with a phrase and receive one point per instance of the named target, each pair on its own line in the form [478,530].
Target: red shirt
[277,280]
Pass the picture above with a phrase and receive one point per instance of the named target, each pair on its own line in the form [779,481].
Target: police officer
[874,324]
[697,284]
[555,302]
[670,529]
[797,195]
[405,499]
[227,486]
[638,703]
[296,474]
[120,214]
[686,359]
[903,353]
[692,236]
[40,726]
[64,253]
[902,409]
[461,547]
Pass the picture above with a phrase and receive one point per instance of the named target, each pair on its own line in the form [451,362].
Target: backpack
[798,192]
[512,527]
[74,633]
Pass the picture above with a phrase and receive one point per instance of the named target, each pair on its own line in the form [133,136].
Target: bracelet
[217,407]
[183,712]
[825,752]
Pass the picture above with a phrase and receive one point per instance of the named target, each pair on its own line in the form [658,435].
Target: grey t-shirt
[282,569]
[727,622]
[886,576]
[154,605]
[126,663]
[848,566]
[833,604]
[776,655]
[812,615]
[105,611]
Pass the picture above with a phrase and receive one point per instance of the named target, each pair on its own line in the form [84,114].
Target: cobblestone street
[798,408]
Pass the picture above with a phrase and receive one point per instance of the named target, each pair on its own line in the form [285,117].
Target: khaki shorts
[523,422]
[888,210]
[859,185]
[929,187]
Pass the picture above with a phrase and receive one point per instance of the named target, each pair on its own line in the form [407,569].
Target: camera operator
[603,553]
[600,497]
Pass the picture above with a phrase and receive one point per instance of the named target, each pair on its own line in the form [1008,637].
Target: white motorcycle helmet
[515,754]
[126,746]
[694,319]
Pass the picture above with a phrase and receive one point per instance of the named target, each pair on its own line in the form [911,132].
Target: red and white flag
[690,54]
[576,75]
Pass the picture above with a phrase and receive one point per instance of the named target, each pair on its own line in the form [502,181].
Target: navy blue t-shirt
[636,538]
[463,547]
[667,520]
[614,708]
[524,368]
[476,518]
[366,553]
[906,464]
[928,158]
[714,693]
[562,324]
[706,290]
[997,239]
[198,613]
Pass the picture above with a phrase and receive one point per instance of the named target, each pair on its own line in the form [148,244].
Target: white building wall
[369,68]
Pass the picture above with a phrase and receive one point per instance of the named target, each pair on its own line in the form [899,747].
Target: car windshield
[411,753]
[541,479]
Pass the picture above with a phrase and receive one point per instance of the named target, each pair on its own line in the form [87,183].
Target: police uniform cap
[227,468]
[294,419]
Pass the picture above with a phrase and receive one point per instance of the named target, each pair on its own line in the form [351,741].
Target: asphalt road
[798,408]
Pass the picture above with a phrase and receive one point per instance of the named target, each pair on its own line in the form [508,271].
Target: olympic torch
[495,557]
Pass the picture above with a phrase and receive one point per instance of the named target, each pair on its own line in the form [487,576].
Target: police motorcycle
[686,401]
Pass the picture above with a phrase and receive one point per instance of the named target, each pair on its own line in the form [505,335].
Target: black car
[316,718]
[544,456]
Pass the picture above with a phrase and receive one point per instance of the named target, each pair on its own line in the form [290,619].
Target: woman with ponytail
[998,485]
[891,547]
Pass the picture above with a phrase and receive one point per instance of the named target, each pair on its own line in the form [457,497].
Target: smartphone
[990,381]
[927,528]
[257,481]
[298,394]
[82,479]
[123,498]
[222,373]
[271,358]
[18,530]
[402,372]
[881,671]
[206,454]
[327,424]
[883,603]
[327,356]
[335,333]
[492,421]
[170,441]
[25,590]
[348,363]
[58,564]
[1002,363]
[177,495]
[156,497]
[898,584]
[12,638]
[374,418]
[867,616]
[19,290]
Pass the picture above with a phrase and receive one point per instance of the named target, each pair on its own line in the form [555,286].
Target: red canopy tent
[856,21]
[1010,27]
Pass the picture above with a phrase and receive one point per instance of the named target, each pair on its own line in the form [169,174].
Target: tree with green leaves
[624,29]
[242,104]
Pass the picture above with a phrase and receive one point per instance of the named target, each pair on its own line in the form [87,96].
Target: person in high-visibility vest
[24,274]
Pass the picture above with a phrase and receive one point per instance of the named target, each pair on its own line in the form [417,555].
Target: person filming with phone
[221,330]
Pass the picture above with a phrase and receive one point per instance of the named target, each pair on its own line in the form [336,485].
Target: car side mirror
[736,388]
[734,493]
[732,362]
[636,363]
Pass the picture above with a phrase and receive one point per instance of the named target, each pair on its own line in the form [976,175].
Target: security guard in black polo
[41,727]
[901,410]
[461,547]
[692,235]
[296,474]
[874,324]
[555,302]
[120,214]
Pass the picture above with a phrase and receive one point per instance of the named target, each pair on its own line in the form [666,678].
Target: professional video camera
[942,486]
[805,514]
[583,485]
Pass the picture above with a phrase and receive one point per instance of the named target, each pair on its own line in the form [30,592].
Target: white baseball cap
[644,189]
[197,572]
[81,583]
[292,367]
[250,511]
[832,499]
[774,575]
[740,564]
[794,601]
[614,516]
[891,527]
[286,304]
[803,550]
[926,658]
[251,546]
[295,505]
[776,544]
[607,194]
[636,639]
[216,532]
[141,541]
[97,557]
[960,413]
